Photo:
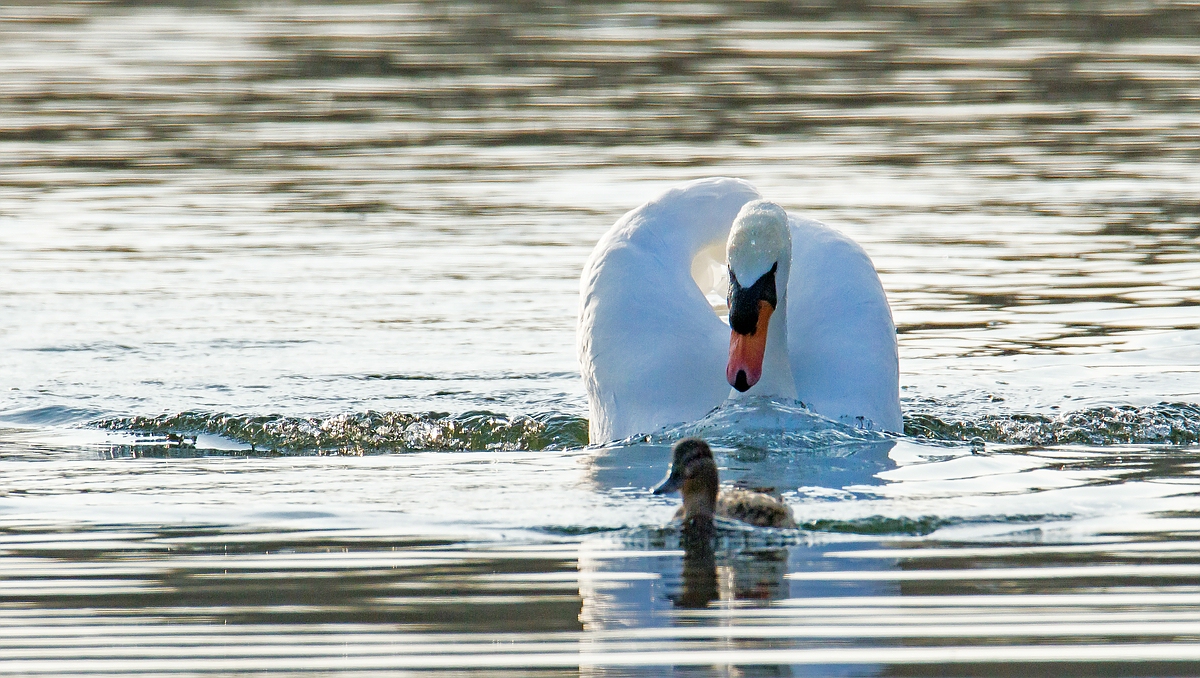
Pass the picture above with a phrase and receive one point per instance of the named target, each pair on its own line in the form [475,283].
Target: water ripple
[1173,423]
[755,424]
[770,424]
[368,432]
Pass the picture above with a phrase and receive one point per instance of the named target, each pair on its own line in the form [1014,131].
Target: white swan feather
[653,352]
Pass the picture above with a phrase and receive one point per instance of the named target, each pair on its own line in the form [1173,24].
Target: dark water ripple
[1173,423]
[368,432]
[381,432]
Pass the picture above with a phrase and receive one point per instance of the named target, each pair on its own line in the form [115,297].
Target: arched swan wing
[651,350]
[841,338]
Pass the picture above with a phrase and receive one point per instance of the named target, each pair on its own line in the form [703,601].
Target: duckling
[694,473]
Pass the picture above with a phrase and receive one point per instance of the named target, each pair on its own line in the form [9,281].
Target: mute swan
[653,352]
[694,474]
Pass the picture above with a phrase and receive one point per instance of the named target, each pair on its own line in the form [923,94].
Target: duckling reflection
[699,577]
[754,574]
[748,574]
[694,473]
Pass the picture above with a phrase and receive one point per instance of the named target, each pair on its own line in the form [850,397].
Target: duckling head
[693,473]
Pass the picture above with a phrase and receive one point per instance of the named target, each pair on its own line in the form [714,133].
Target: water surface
[287,307]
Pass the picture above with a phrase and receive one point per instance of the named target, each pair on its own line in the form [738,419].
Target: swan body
[653,352]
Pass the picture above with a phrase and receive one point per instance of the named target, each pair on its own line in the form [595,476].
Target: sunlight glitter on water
[287,307]
[586,616]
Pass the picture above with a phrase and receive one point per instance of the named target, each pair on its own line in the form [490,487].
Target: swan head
[760,254]
[693,473]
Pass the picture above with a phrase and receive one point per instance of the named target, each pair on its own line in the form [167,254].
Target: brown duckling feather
[694,473]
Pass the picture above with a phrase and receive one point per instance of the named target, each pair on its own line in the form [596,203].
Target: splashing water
[1164,423]
[752,423]
[768,423]
[369,432]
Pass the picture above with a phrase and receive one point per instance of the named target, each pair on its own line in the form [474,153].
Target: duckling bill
[694,474]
